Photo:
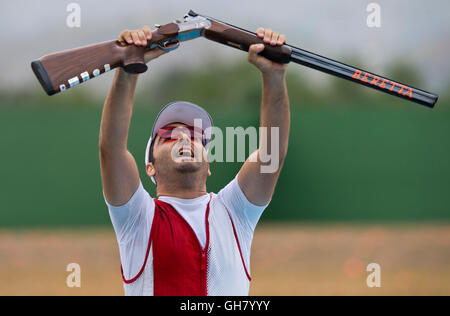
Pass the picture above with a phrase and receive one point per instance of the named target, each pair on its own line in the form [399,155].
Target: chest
[179,265]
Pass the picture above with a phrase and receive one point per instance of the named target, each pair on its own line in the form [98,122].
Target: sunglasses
[171,133]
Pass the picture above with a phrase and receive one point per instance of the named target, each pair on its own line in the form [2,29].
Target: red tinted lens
[165,133]
[173,132]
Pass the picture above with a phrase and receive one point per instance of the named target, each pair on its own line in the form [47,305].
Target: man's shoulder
[140,197]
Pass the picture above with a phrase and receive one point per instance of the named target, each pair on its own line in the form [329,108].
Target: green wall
[353,162]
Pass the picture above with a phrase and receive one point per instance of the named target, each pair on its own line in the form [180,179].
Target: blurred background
[366,180]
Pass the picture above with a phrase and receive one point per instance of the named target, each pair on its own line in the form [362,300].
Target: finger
[147,31]
[142,37]
[121,39]
[253,52]
[135,37]
[267,35]
[126,36]
[260,32]
[255,49]
[122,34]
[274,38]
[281,39]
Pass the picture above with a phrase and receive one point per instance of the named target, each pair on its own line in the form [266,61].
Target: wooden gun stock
[60,71]
[242,39]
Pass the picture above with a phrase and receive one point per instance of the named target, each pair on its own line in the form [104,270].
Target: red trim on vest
[204,260]
[239,247]
[145,260]
[179,262]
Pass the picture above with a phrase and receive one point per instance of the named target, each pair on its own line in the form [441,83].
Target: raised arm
[120,176]
[258,177]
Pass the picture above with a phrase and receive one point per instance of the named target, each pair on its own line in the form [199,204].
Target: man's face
[179,149]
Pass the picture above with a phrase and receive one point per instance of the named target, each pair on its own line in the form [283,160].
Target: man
[187,242]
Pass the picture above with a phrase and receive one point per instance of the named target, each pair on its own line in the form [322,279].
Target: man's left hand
[266,66]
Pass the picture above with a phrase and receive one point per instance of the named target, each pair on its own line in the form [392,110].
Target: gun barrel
[240,38]
[362,77]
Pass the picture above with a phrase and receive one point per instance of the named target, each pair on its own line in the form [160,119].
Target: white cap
[180,112]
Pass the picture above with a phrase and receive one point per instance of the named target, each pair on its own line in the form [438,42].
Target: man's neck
[182,187]
[181,193]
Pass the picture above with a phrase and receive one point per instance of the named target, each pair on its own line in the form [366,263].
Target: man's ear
[150,169]
[209,172]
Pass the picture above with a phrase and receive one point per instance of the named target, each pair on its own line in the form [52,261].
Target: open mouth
[186,152]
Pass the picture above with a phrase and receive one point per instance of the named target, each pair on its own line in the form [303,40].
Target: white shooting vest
[228,272]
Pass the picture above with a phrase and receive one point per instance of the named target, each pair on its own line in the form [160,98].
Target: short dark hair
[150,152]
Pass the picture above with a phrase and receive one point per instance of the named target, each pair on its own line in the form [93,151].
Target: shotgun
[60,71]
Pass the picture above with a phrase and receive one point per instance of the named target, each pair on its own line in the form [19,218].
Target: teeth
[185,152]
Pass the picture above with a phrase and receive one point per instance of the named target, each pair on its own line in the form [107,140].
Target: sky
[414,30]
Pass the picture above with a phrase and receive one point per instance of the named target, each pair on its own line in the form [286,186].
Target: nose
[182,136]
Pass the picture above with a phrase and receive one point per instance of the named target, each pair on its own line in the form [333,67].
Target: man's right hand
[139,38]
